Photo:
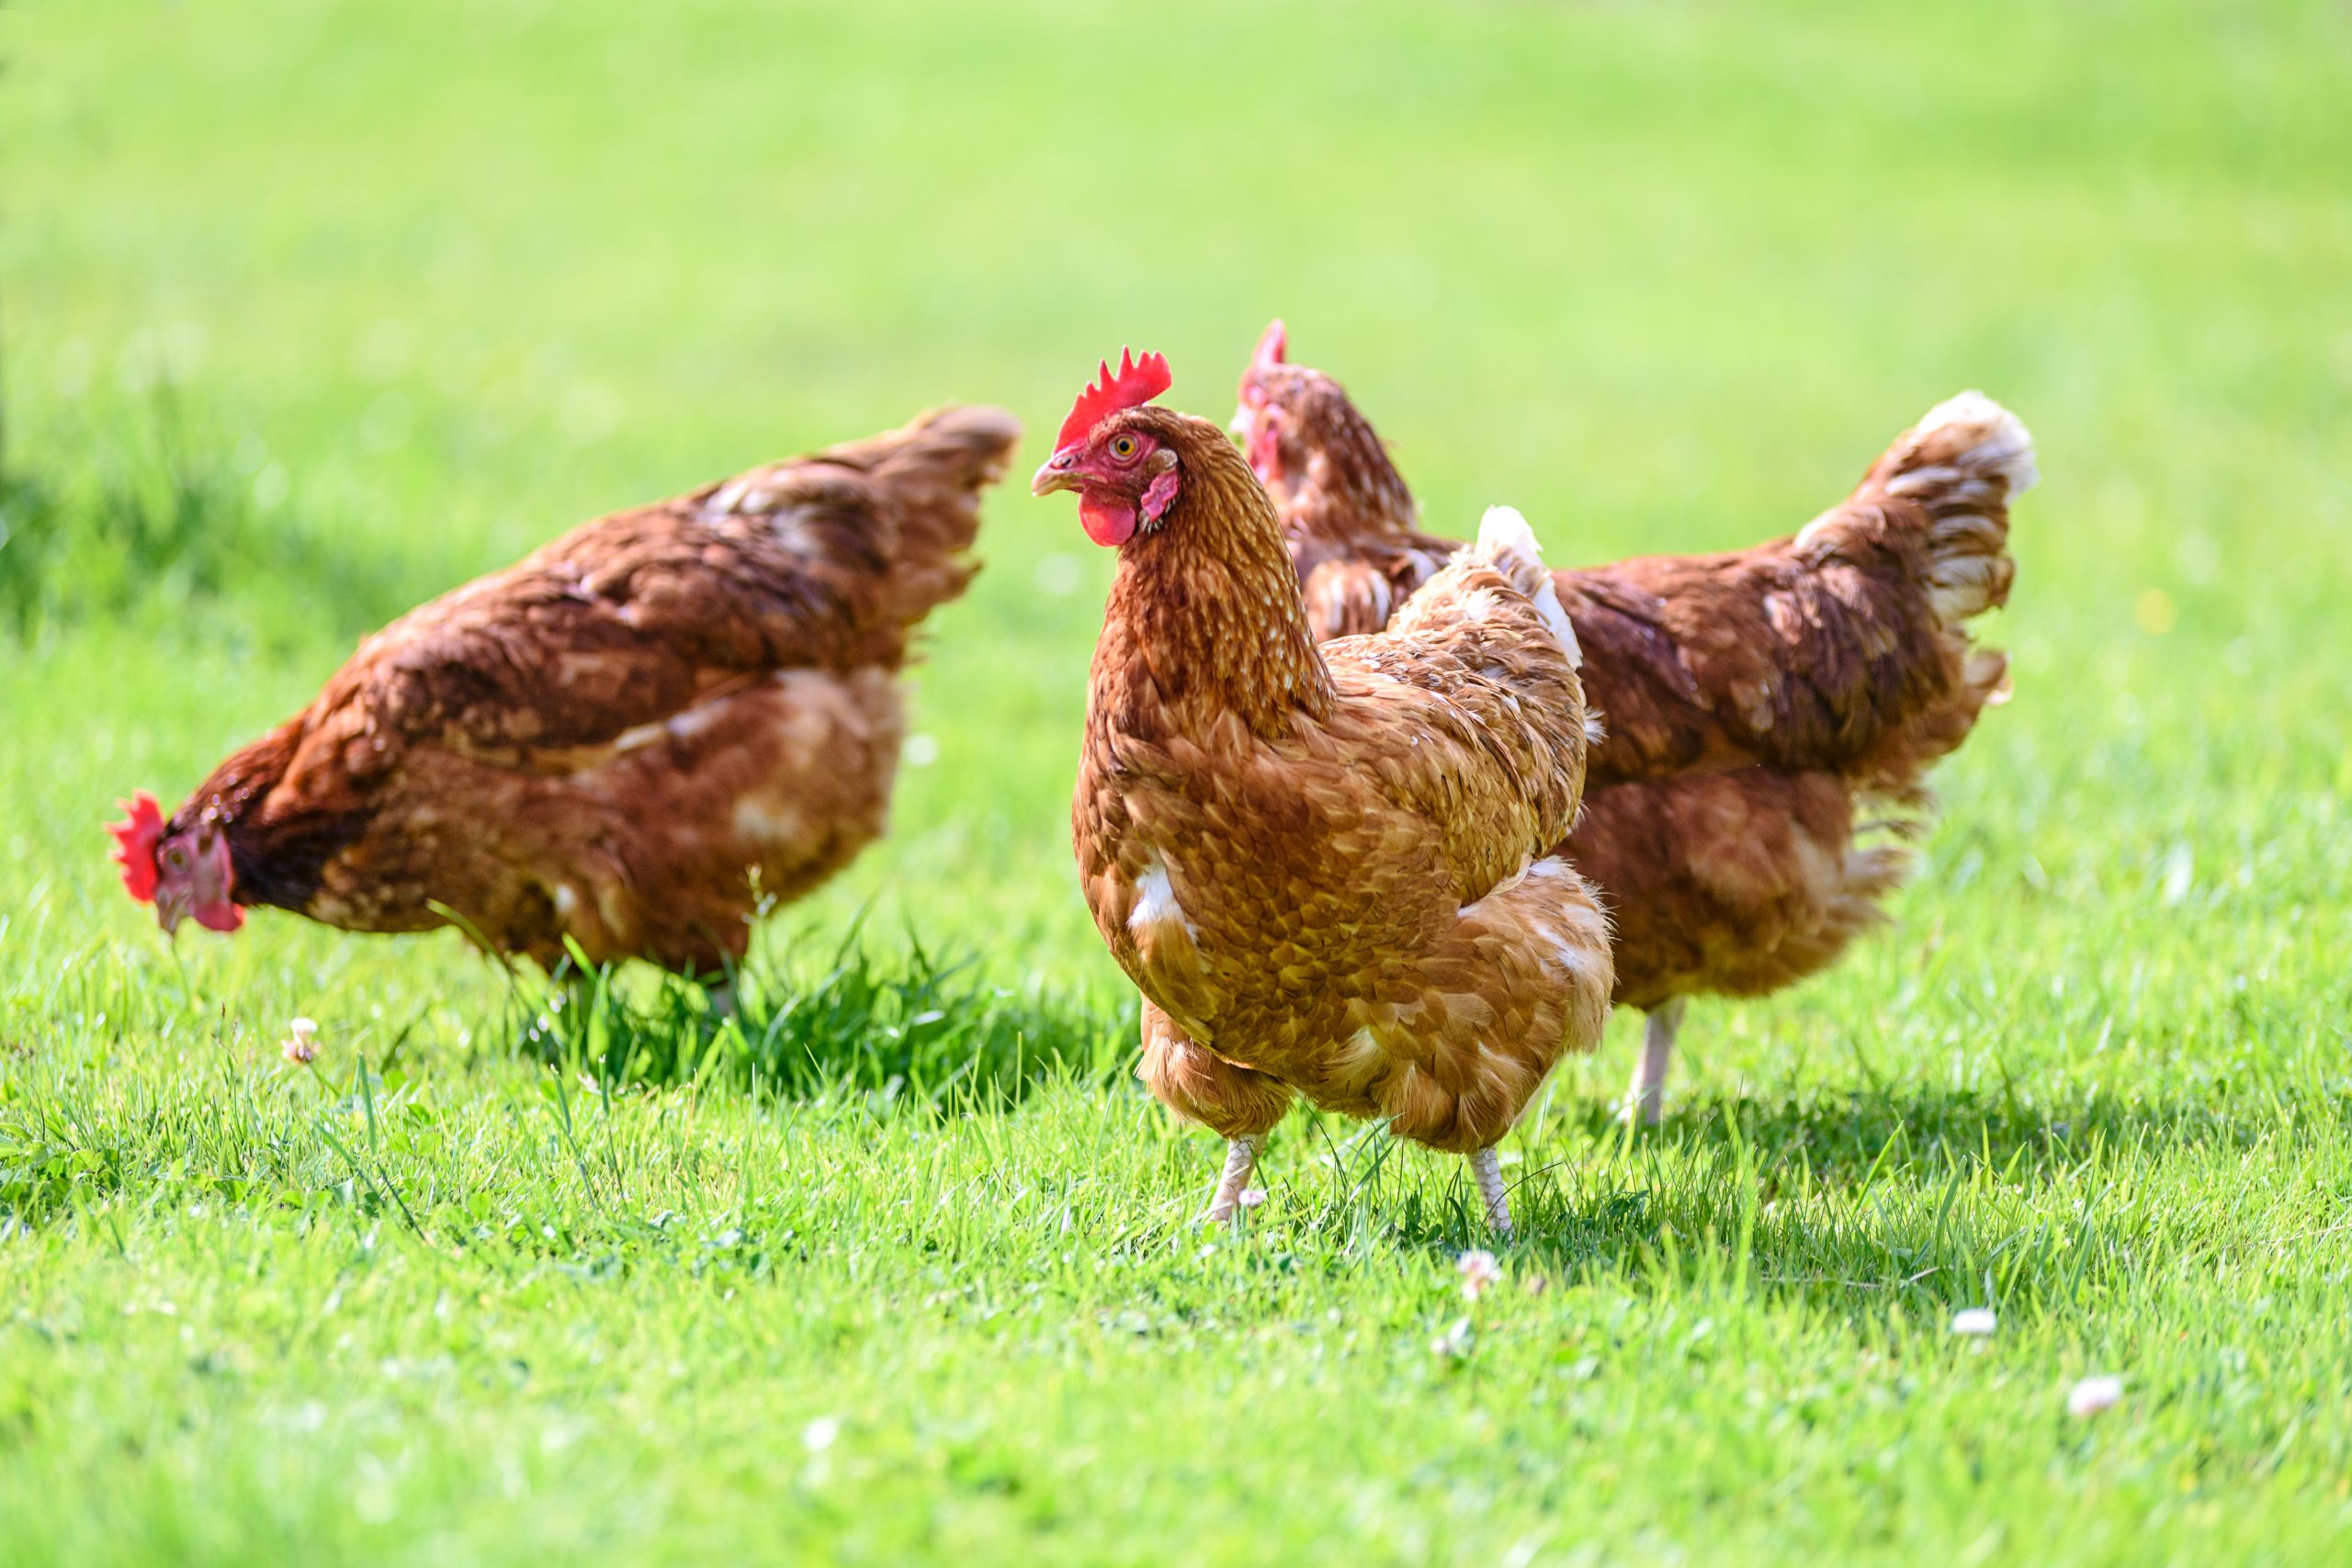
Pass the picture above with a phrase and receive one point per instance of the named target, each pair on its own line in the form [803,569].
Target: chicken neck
[1346,486]
[1205,618]
[279,841]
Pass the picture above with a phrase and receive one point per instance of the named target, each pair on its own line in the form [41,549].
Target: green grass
[312,310]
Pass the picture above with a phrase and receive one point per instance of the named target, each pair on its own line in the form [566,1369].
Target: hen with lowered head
[1759,703]
[628,740]
[1328,870]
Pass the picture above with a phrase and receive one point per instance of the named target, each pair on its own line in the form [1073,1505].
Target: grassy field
[312,311]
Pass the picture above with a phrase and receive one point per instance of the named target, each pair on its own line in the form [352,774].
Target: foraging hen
[628,741]
[1327,870]
[1758,704]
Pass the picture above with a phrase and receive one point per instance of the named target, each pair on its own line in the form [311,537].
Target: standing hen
[1325,869]
[1756,702]
[627,740]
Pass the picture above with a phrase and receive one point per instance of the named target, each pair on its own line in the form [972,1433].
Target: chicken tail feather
[1507,543]
[1953,474]
[935,469]
[953,451]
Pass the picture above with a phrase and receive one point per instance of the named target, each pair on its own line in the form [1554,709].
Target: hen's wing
[1469,710]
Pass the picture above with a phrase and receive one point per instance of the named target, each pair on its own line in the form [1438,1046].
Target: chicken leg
[1647,1092]
[1225,1097]
[1487,1166]
[1240,1159]
[725,1001]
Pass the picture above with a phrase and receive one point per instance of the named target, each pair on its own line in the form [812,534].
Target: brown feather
[633,735]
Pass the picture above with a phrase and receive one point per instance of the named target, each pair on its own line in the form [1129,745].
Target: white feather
[1156,903]
[1505,538]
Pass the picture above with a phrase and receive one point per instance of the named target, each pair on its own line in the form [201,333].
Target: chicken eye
[1124,448]
[177,858]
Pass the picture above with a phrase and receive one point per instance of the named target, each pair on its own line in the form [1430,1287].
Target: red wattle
[222,917]
[1108,522]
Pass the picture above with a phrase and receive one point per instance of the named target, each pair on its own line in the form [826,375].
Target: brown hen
[1324,869]
[628,740]
[1760,704]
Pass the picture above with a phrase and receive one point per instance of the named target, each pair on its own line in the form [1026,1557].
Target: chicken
[1764,708]
[631,740]
[1325,870]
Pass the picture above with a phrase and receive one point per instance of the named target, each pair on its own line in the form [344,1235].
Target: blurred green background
[310,312]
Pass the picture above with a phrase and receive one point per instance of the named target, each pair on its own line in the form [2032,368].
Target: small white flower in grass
[2092,1395]
[820,1434]
[301,1043]
[1454,1342]
[1479,1271]
[1977,1323]
[1250,1197]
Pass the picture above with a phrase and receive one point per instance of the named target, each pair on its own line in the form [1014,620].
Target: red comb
[135,844]
[1139,381]
[1272,346]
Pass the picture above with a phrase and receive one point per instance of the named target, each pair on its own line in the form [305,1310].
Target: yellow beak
[1057,473]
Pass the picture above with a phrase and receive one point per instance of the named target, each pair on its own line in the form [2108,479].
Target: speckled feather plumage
[1322,868]
[1756,703]
[632,734]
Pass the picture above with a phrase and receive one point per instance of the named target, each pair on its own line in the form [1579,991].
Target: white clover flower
[1250,1197]
[1977,1323]
[301,1044]
[2092,1395]
[1479,1271]
[820,1434]
[1454,1342]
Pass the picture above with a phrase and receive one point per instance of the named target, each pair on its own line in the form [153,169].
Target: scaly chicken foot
[1645,1098]
[1486,1164]
[1240,1159]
